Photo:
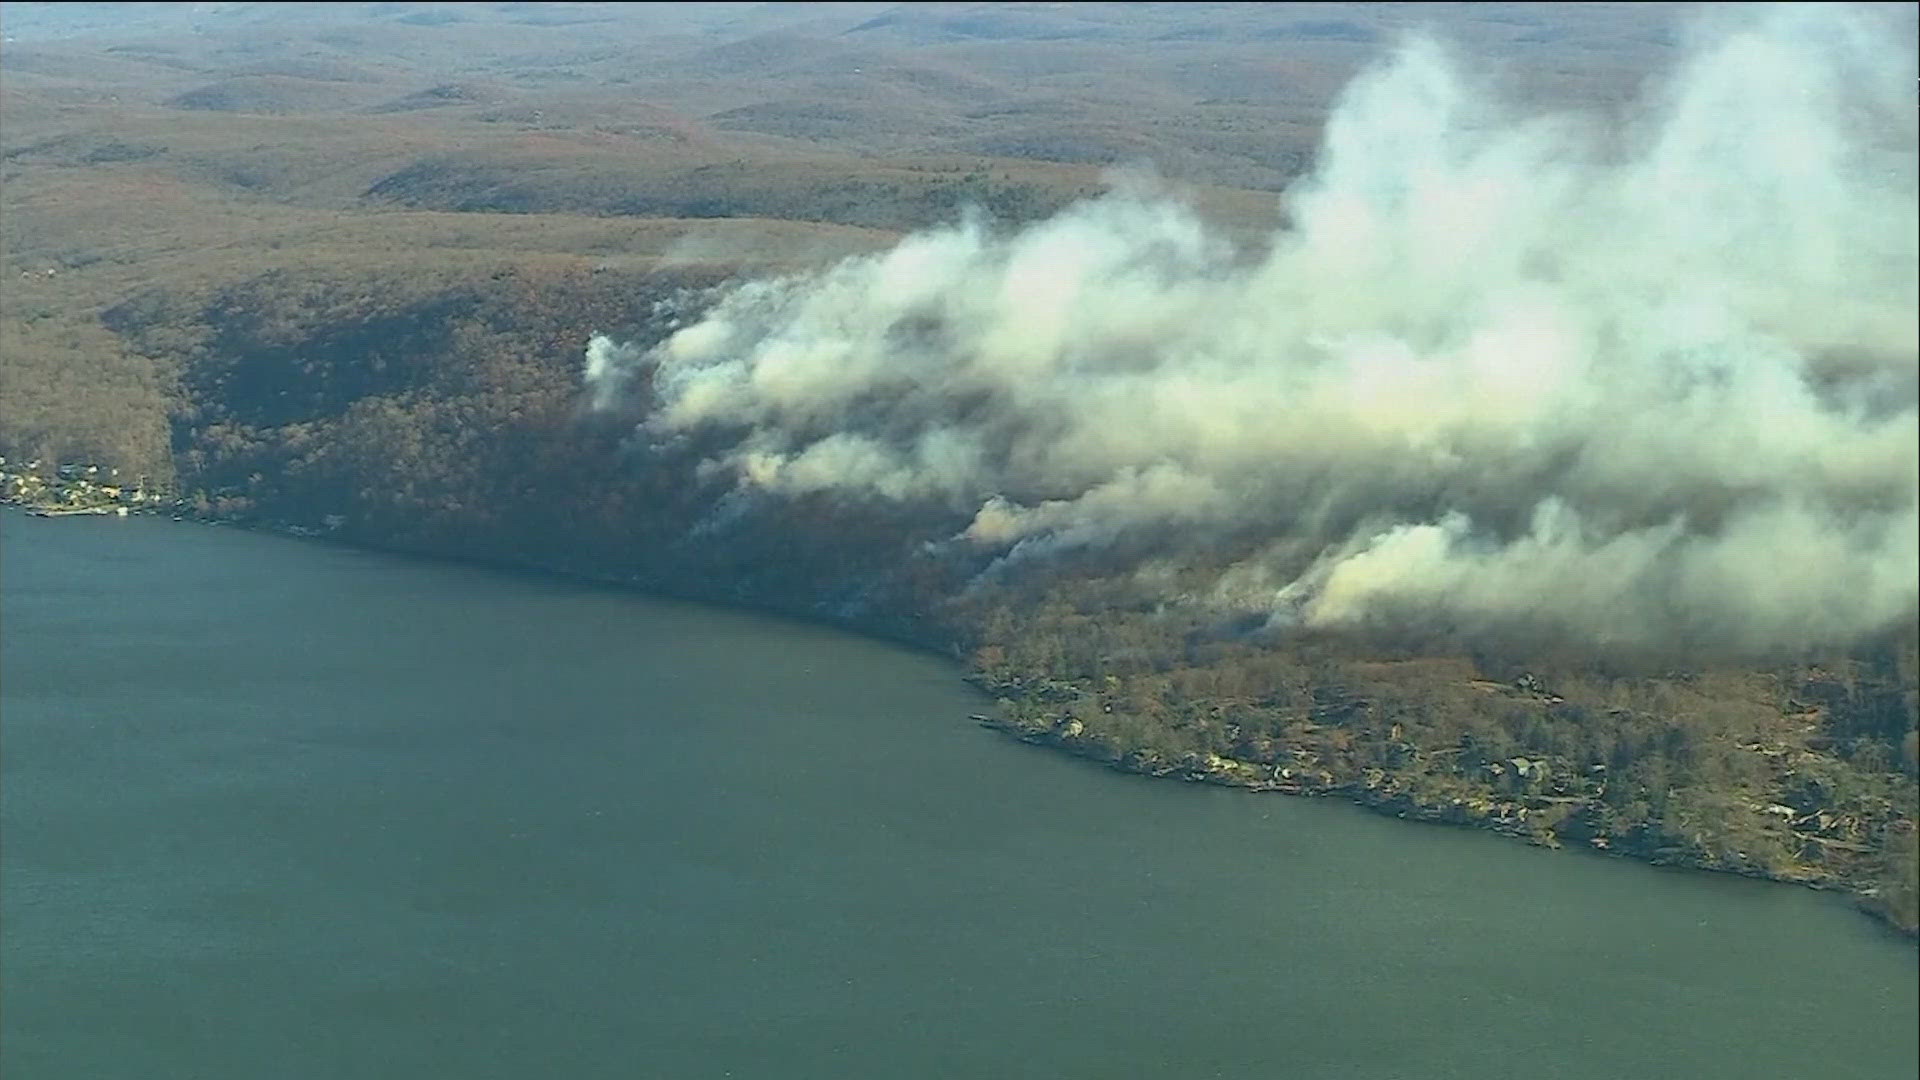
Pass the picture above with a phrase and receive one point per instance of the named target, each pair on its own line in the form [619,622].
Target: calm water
[276,809]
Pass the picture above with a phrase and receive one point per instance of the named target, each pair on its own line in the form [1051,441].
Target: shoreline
[1396,803]
[1377,793]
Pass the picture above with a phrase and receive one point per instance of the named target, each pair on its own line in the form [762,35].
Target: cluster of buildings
[75,489]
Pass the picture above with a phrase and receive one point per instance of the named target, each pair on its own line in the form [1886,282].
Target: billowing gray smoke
[1490,376]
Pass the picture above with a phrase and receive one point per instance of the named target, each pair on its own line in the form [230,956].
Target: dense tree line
[113,409]
[1798,771]
[441,414]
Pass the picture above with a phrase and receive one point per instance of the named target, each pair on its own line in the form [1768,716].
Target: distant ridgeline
[446,418]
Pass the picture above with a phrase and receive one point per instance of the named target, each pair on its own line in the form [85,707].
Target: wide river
[277,809]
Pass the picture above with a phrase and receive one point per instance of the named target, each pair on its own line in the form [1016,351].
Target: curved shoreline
[1390,800]
[1318,778]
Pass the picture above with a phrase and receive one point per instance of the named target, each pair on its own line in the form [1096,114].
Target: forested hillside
[299,275]
[445,417]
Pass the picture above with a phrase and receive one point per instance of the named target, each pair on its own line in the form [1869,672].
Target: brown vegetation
[339,269]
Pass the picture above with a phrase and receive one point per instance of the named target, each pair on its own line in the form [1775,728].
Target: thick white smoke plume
[1491,376]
